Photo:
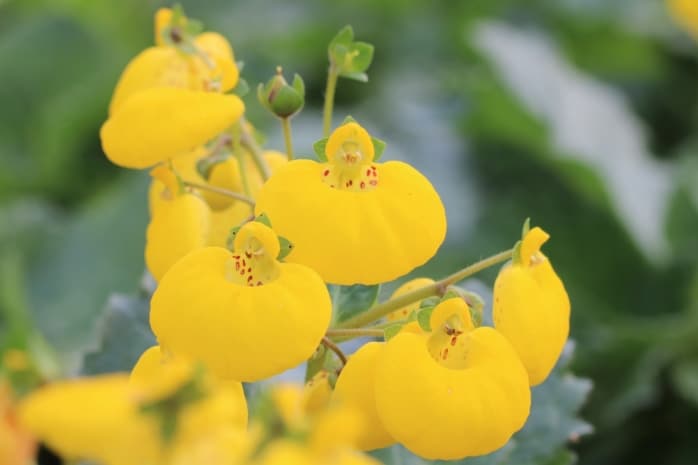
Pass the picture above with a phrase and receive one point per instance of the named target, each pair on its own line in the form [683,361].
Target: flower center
[254,256]
[350,170]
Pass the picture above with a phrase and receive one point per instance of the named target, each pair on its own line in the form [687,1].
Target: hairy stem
[219,190]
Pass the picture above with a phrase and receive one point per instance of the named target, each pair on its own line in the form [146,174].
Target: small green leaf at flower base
[361,60]
[348,119]
[429,302]
[264,219]
[424,317]
[378,148]
[319,149]
[286,247]
[361,77]
[231,237]
[242,88]
[526,227]
[391,331]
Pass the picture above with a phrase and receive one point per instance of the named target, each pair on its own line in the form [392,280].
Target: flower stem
[219,190]
[438,288]
[332,76]
[351,333]
[286,125]
[247,141]
[334,348]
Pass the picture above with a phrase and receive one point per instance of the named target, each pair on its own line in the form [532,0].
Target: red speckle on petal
[351,182]
[259,283]
[237,266]
[368,172]
[373,182]
[362,185]
[249,270]
[326,172]
[445,355]
[453,340]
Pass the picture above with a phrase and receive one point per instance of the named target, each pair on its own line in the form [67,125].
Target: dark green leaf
[348,301]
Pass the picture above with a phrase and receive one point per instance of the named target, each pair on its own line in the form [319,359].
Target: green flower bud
[280,98]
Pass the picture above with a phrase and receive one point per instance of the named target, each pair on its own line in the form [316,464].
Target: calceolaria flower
[355,388]
[685,13]
[179,59]
[351,219]
[531,307]
[180,224]
[453,392]
[243,313]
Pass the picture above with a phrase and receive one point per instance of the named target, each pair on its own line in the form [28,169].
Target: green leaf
[391,331]
[424,317]
[319,149]
[123,336]
[264,219]
[378,148]
[286,247]
[348,301]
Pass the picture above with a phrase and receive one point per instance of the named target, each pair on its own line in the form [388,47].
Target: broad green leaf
[348,301]
[123,336]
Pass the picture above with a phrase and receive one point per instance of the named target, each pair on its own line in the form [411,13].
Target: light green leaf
[348,301]
[319,149]
[378,148]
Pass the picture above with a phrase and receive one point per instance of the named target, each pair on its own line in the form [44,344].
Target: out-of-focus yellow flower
[286,452]
[685,13]
[455,392]
[244,314]
[16,444]
[351,219]
[210,66]
[177,227]
[92,418]
[409,286]
[185,167]
[161,123]
[355,388]
[531,307]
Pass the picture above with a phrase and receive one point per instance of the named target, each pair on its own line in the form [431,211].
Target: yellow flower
[685,13]
[531,307]
[456,392]
[211,67]
[92,418]
[351,219]
[244,314]
[409,286]
[286,452]
[161,123]
[227,176]
[355,387]
[222,221]
[177,227]
[185,167]
[16,445]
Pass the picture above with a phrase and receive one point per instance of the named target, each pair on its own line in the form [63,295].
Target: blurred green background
[578,113]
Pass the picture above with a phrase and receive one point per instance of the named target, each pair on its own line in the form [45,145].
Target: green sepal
[424,317]
[206,164]
[430,302]
[526,227]
[450,294]
[240,65]
[193,27]
[298,85]
[319,149]
[378,148]
[286,247]
[231,238]
[361,61]
[262,96]
[264,219]
[280,98]
[516,254]
[242,88]
[344,37]
[361,77]
[348,119]
[391,331]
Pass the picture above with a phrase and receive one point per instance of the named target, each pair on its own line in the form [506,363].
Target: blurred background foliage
[578,113]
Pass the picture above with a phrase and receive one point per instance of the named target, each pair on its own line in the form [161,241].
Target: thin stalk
[334,348]
[247,141]
[351,333]
[221,191]
[438,288]
[286,125]
[332,76]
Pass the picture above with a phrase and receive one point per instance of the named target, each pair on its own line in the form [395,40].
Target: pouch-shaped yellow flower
[92,418]
[355,388]
[531,307]
[243,313]
[351,219]
[161,123]
[177,227]
[454,392]
[185,167]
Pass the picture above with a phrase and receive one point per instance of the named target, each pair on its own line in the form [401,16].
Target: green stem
[351,333]
[438,288]
[332,76]
[286,125]
[221,191]
[247,141]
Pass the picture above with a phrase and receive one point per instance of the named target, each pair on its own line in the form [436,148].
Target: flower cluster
[243,243]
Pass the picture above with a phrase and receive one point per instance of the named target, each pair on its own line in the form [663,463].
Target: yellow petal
[162,19]
[176,228]
[222,221]
[531,244]
[243,333]
[407,287]
[161,123]
[355,388]
[685,12]
[352,237]
[444,413]
[185,167]
[219,51]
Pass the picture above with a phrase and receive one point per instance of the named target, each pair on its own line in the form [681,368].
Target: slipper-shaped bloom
[531,307]
[355,388]
[244,314]
[454,392]
[161,123]
[179,225]
[208,64]
[351,219]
